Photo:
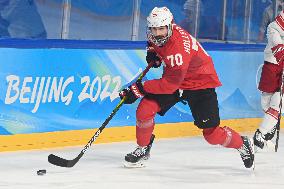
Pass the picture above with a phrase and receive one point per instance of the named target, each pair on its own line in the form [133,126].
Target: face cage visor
[159,41]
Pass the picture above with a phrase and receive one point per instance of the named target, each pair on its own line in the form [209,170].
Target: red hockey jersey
[187,65]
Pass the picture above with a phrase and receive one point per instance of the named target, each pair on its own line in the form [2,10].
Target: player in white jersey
[270,82]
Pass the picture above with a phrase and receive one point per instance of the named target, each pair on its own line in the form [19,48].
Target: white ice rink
[175,163]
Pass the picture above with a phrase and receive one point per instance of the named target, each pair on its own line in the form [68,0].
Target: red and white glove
[133,92]
[278,52]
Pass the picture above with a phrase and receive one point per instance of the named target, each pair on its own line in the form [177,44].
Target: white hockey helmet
[158,17]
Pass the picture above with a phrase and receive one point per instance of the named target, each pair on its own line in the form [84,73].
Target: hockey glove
[278,52]
[152,56]
[132,92]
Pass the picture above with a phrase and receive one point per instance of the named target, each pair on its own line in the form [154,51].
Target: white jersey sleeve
[275,36]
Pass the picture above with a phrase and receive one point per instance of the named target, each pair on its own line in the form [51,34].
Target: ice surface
[174,163]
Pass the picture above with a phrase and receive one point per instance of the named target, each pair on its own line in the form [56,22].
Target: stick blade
[61,162]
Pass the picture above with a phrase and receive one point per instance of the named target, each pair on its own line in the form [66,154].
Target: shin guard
[224,136]
[269,121]
[144,130]
[145,114]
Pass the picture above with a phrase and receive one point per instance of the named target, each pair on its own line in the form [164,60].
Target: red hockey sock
[143,135]
[145,114]
[224,136]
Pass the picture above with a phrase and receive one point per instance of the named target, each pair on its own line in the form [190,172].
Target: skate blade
[139,164]
[252,167]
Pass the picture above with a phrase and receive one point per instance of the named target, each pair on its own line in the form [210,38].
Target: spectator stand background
[20,19]
[235,21]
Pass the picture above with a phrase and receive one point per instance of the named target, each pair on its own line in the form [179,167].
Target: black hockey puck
[41,172]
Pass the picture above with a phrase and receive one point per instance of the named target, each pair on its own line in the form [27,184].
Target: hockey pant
[148,108]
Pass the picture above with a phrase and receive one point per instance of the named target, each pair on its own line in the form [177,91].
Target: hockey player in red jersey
[188,75]
[270,83]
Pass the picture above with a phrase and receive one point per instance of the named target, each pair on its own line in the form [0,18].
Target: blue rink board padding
[111,44]
[57,89]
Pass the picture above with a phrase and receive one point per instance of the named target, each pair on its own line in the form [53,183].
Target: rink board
[58,94]
[115,134]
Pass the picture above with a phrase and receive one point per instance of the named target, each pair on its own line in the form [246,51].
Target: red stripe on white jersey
[280,20]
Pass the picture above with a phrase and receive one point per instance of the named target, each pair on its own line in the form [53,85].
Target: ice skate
[247,152]
[137,158]
[263,142]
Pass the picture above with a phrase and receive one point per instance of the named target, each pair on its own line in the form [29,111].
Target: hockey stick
[56,160]
[280,107]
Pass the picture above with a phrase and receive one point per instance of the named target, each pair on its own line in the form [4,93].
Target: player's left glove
[278,52]
[152,57]
[133,92]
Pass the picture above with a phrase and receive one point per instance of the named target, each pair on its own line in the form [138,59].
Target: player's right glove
[133,92]
[278,52]
[152,56]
